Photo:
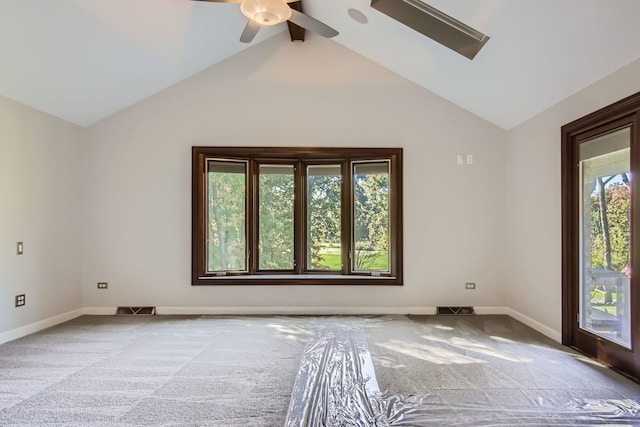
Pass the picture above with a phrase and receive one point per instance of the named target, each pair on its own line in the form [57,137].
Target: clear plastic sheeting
[433,410]
[336,386]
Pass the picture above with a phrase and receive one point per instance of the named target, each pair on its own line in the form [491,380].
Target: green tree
[610,231]
[371,200]
[276,221]
[323,218]
[226,222]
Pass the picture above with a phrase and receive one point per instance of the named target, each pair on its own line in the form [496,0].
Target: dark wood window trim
[300,157]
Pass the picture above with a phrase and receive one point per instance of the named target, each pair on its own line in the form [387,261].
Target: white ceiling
[82,60]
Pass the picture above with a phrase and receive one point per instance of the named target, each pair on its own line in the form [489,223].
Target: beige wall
[137,193]
[533,198]
[40,206]
[112,202]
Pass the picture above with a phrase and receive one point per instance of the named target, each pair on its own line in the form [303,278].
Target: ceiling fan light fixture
[266,12]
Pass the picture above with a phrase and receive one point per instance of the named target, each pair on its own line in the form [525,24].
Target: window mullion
[302,218]
[299,222]
[395,201]
[252,224]
[347,231]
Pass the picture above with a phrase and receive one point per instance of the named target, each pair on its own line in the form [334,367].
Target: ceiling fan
[272,12]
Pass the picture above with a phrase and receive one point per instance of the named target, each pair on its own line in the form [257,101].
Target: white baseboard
[227,311]
[99,311]
[543,329]
[314,310]
[272,311]
[490,310]
[14,334]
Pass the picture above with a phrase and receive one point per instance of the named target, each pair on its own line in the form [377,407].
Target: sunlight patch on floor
[429,353]
[468,345]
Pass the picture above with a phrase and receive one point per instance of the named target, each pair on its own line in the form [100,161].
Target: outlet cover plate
[470,285]
[21,300]
[103,285]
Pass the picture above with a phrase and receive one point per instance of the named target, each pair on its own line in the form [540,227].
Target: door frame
[623,112]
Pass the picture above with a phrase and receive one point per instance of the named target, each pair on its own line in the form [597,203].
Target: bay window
[297,216]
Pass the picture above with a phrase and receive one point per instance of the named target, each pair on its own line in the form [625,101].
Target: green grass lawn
[597,302]
[331,260]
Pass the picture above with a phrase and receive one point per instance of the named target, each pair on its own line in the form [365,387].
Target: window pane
[276,217]
[324,183]
[226,224]
[605,259]
[371,216]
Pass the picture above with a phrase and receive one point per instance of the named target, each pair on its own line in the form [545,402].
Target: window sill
[307,280]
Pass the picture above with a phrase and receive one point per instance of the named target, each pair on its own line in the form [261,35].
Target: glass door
[601,235]
[605,236]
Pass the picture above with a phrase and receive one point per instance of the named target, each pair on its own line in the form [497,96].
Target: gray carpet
[125,371]
[240,371]
[493,370]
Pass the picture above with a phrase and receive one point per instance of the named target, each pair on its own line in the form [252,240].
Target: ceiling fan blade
[250,31]
[434,24]
[311,24]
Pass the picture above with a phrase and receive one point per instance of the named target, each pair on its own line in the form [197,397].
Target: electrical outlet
[469,285]
[103,285]
[21,300]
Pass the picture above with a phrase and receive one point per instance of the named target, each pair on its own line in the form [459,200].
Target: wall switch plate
[103,285]
[19,248]
[469,285]
[460,159]
[469,159]
[21,300]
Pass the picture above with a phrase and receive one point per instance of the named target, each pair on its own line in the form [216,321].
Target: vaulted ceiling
[82,60]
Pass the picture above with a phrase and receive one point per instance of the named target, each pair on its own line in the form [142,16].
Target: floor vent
[447,311]
[136,311]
